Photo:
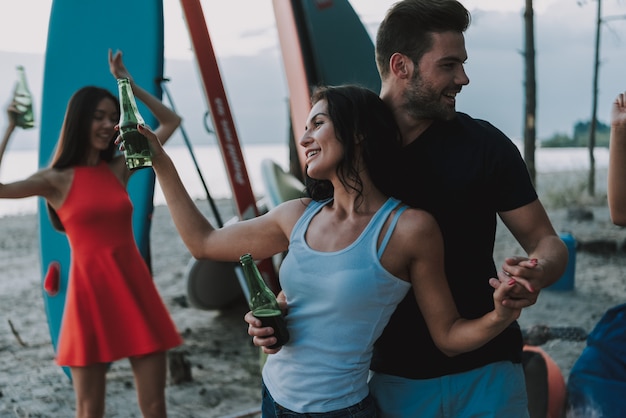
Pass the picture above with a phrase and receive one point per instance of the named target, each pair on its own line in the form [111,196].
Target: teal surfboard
[79,36]
[280,186]
[336,47]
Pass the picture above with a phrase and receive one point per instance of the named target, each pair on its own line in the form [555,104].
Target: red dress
[113,309]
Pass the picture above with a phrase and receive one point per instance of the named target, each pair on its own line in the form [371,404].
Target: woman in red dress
[113,309]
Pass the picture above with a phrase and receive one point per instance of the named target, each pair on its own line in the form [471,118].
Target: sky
[23,23]
[564,31]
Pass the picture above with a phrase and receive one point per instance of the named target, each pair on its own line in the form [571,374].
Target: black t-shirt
[463,172]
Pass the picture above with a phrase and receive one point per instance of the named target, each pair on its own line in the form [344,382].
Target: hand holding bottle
[156,148]
[23,101]
[263,303]
[136,149]
[263,336]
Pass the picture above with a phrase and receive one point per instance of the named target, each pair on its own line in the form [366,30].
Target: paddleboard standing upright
[80,34]
[224,126]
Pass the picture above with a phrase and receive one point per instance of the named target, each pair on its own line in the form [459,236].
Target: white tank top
[339,303]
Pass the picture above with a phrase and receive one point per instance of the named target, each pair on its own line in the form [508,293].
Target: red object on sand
[52,280]
[556,384]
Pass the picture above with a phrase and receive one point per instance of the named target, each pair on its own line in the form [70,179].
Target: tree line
[580,136]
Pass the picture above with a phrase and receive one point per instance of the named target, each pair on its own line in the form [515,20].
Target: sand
[224,365]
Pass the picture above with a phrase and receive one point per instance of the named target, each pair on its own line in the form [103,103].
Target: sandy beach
[225,377]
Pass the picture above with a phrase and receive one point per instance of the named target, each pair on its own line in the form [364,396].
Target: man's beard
[423,102]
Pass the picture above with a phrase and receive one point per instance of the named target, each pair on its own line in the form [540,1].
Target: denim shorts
[364,409]
[492,391]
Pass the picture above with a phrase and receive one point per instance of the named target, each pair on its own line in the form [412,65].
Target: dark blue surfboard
[79,36]
[322,42]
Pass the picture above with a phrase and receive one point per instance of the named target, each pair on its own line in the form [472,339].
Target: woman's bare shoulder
[292,208]
[55,176]
[414,221]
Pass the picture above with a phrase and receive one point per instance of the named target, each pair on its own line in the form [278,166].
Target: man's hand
[526,272]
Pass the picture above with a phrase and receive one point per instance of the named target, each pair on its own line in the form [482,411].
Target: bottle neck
[129,114]
[259,292]
[22,86]
[250,273]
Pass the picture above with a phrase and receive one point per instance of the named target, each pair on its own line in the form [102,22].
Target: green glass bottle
[262,301]
[136,148]
[23,99]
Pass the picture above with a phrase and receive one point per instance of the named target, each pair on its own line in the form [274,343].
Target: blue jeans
[364,409]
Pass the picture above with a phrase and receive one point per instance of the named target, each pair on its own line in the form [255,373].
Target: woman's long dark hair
[73,143]
[363,124]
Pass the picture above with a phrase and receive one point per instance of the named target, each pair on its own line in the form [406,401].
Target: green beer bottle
[23,99]
[136,149]
[262,301]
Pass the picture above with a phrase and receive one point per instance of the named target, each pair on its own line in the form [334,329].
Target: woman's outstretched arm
[262,236]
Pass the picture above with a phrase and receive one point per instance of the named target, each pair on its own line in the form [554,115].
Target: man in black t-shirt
[466,173]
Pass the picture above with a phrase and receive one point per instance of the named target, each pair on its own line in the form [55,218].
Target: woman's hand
[117,67]
[261,336]
[264,336]
[618,110]
[156,149]
[12,113]
[503,304]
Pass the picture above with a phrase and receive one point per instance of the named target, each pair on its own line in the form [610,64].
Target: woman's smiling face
[323,150]
[105,117]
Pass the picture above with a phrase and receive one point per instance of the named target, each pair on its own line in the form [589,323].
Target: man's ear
[400,65]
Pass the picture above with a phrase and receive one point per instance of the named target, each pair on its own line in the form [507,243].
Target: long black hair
[73,144]
[363,124]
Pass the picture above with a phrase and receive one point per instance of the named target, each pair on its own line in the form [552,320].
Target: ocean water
[18,164]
